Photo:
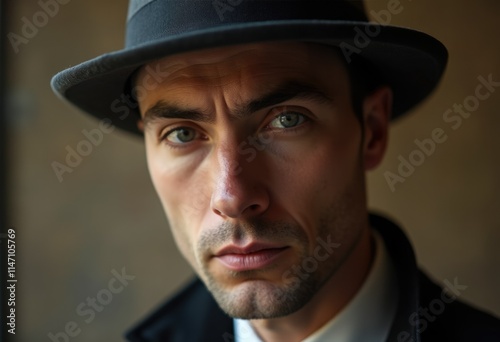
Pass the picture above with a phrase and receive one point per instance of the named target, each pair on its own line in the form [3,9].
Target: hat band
[156,20]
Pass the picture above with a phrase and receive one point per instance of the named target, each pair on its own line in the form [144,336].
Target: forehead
[246,69]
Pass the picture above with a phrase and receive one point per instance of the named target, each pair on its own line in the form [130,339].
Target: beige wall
[105,215]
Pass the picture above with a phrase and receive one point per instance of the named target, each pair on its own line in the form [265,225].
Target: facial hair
[257,297]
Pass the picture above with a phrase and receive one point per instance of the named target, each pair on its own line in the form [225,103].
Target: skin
[286,175]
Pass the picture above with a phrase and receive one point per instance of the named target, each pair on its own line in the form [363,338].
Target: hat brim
[410,61]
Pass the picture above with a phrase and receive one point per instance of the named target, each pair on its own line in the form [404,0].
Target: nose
[239,191]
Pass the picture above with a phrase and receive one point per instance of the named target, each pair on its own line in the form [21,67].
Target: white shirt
[366,318]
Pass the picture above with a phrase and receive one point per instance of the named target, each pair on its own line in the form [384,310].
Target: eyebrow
[164,110]
[280,94]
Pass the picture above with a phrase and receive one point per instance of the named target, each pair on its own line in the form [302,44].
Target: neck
[333,296]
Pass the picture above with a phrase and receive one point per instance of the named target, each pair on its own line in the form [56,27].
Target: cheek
[183,197]
[178,183]
[309,176]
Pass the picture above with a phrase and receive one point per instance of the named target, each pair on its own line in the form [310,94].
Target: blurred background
[104,217]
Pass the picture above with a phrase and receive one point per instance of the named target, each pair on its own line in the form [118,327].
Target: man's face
[257,157]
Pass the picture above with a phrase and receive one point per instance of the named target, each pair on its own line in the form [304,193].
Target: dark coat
[426,312]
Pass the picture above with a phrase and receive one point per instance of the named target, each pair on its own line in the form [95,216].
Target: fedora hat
[410,61]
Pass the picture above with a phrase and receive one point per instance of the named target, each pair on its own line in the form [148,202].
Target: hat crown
[154,20]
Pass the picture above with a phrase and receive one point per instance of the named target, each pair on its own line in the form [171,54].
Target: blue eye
[287,120]
[181,135]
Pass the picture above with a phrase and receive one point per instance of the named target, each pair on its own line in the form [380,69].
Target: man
[260,119]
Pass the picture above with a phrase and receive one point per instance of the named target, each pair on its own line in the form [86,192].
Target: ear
[377,110]
[140,125]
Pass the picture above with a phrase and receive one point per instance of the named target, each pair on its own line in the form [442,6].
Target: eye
[181,135]
[287,119]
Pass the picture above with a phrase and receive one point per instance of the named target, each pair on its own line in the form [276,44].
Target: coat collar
[405,266]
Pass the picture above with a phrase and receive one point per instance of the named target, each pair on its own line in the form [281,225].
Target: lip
[251,257]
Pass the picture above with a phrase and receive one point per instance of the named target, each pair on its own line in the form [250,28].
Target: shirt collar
[366,318]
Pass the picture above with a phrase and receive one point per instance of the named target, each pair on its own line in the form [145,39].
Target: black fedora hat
[410,61]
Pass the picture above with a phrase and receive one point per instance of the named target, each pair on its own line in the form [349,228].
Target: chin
[261,299]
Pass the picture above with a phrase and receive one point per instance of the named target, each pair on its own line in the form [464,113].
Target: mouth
[251,257]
